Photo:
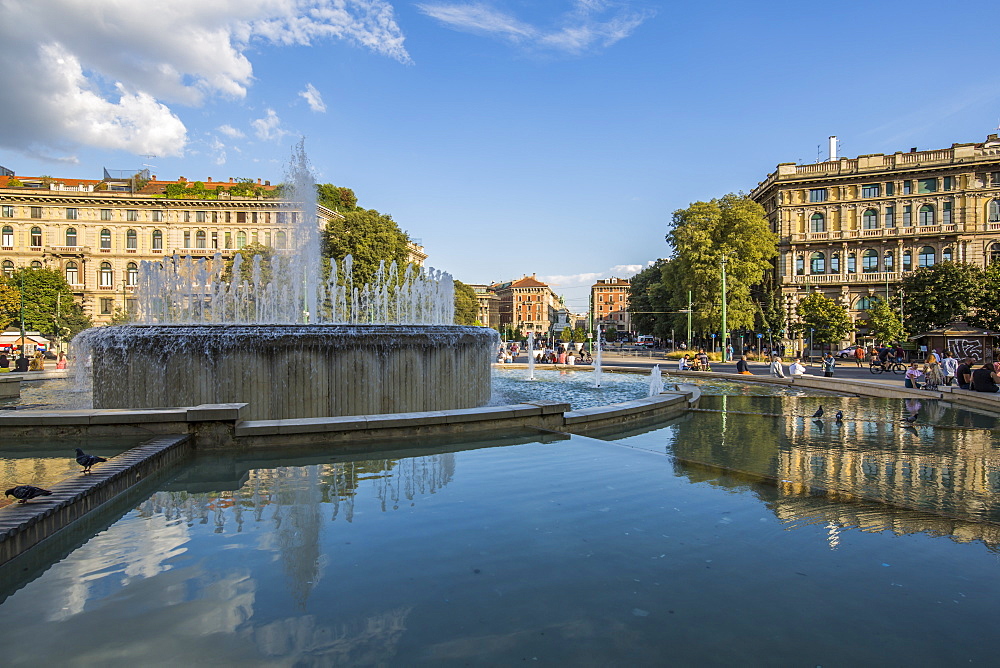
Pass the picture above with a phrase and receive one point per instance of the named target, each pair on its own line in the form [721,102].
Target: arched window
[907,261]
[241,239]
[994,211]
[800,265]
[835,263]
[35,264]
[995,252]
[199,239]
[926,215]
[157,240]
[946,255]
[887,261]
[8,268]
[817,263]
[72,273]
[280,239]
[852,263]
[817,223]
[36,237]
[869,261]
[132,274]
[864,303]
[71,236]
[926,257]
[7,236]
[105,277]
[869,219]
[105,238]
[131,239]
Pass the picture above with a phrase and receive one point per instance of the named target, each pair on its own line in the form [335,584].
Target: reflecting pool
[703,542]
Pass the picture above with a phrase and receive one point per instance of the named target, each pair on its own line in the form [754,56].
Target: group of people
[697,362]
[777,367]
[950,371]
[22,364]
[558,355]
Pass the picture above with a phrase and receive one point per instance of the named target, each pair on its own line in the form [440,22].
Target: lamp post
[811,330]
[724,324]
[20,276]
[689,320]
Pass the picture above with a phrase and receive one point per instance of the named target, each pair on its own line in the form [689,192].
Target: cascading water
[597,362]
[531,355]
[275,333]
[655,381]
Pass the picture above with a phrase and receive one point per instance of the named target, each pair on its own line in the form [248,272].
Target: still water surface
[545,548]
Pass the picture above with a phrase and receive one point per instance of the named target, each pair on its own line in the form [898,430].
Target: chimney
[258,181]
[181,179]
[154,177]
[267,183]
[210,179]
[833,147]
[230,179]
[913,150]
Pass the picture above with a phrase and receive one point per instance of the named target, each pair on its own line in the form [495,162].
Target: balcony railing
[874,277]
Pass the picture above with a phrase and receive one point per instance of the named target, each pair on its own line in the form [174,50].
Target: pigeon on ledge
[86,461]
[24,492]
[840,416]
[818,413]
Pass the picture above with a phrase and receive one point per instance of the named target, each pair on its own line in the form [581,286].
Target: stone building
[97,232]
[529,305]
[489,305]
[852,228]
[609,304]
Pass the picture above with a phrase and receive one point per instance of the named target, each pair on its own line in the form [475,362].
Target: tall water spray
[531,355]
[597,362]
[655,381]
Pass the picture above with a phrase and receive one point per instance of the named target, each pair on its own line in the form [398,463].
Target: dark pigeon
[840,416]
[86,461]
[818,413]
[911,418]
[24,492]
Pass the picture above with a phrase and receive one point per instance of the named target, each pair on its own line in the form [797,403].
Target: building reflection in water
[937,477]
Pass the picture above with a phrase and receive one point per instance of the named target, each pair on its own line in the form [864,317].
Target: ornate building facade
[609,304]
[96,233]
[853,228]
[531,306]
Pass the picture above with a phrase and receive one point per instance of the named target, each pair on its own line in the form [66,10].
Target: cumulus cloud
[230,131]
[313,98]
[106,75]
[586,25]
[589,278]
[268,127]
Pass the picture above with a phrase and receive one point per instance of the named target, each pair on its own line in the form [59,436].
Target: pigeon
[86,461]
[818,413]
[25,492]
[840,416]
[911,418]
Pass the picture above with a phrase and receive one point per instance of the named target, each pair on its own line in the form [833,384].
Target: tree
[466,304]
[49,306]
[987,313]
[10,302]
[884,323]
[936,295]
[566,335]
[246,266]
[827,318]
[611,334]
[335,198]
[369,237]
[14,182]
[651,296]
[734,227]
[579,335]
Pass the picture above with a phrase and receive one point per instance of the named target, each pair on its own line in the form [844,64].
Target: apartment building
[609,304]
[852,228]
[529,305]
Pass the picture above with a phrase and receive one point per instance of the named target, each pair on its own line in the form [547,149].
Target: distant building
[529,305]
[609,304]
[489,305]
[852,228]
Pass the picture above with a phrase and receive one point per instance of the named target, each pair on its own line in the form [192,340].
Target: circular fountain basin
[291,371]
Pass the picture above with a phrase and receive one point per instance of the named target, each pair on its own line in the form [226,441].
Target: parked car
[646,340]
[847,352]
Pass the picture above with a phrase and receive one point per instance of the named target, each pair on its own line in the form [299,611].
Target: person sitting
[963,374]
[742,366]
[914,377]
[985,379]
[796,369]
[684,363]
[777,369]
[21,364]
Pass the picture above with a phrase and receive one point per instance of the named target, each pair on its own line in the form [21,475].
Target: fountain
[655,381]
[597,362]
[531,355]
[277,334]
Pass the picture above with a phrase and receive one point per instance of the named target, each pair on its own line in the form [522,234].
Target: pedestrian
[21,364]
[985,379]
[4,363]
[914,377]
[963,374]
[684,363]
[796,368]
[932,372]
[949,365]
[829,362]
[742,366]
[777,369]
[729,352]
[859,355]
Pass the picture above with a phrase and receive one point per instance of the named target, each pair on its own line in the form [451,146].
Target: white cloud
[588,24]
[313,98]
[589,278]
[110,74]
[230,131]
[268,127]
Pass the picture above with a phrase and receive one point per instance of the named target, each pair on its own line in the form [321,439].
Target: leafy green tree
[49,306]
[246,266]
[771,317]
[734,227]
[466,304]
[936,295]
[579,335]
[338,199]
[14,182]
[566,335]
[884,323]
[10,302]
[369,237]
[987,313]
[829,319]
[611,334]
[244,188]
[651,296]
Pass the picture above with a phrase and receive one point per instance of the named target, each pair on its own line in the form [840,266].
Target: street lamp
[20,276]
[724,324]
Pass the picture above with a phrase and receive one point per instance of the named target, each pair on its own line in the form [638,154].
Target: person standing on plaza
[829,362]
[777,369]
[859,355]
[949,365]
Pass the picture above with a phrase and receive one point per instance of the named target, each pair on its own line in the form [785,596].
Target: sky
[509,137]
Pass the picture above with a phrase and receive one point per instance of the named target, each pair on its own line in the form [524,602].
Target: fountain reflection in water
[288,340]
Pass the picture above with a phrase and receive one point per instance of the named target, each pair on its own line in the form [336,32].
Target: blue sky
[510,137]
